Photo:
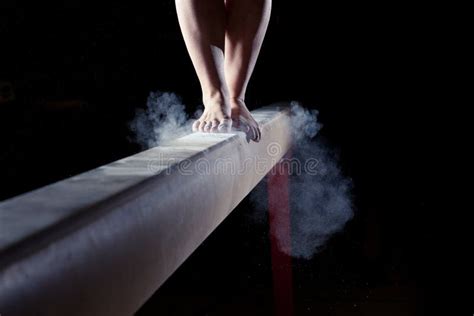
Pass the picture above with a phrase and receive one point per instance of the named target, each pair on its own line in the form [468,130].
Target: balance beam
[102,242]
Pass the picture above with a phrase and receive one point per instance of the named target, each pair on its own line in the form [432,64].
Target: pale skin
[223,38]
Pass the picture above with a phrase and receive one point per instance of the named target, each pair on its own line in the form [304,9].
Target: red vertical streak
[279,212]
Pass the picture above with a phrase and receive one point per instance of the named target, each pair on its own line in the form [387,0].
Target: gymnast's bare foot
[215,118]
[242,119]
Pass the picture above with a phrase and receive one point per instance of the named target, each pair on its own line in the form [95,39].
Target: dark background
[72,75]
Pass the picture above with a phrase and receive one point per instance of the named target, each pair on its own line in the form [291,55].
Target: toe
[207,127]
[259,134]
[196,125]
[254,133]
[201,126]
[214,126]
[256,130]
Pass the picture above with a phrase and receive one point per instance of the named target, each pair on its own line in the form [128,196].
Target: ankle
[214,97]
[237,101]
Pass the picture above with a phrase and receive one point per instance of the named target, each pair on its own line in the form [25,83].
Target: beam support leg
[280,238]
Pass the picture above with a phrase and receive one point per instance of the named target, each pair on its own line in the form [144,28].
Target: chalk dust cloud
[320,200]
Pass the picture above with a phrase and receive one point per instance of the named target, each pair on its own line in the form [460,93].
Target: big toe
[225,126]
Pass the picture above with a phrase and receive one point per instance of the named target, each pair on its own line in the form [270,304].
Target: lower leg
[202,24]
[247,22]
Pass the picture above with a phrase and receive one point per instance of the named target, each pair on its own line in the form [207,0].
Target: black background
[79,71]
